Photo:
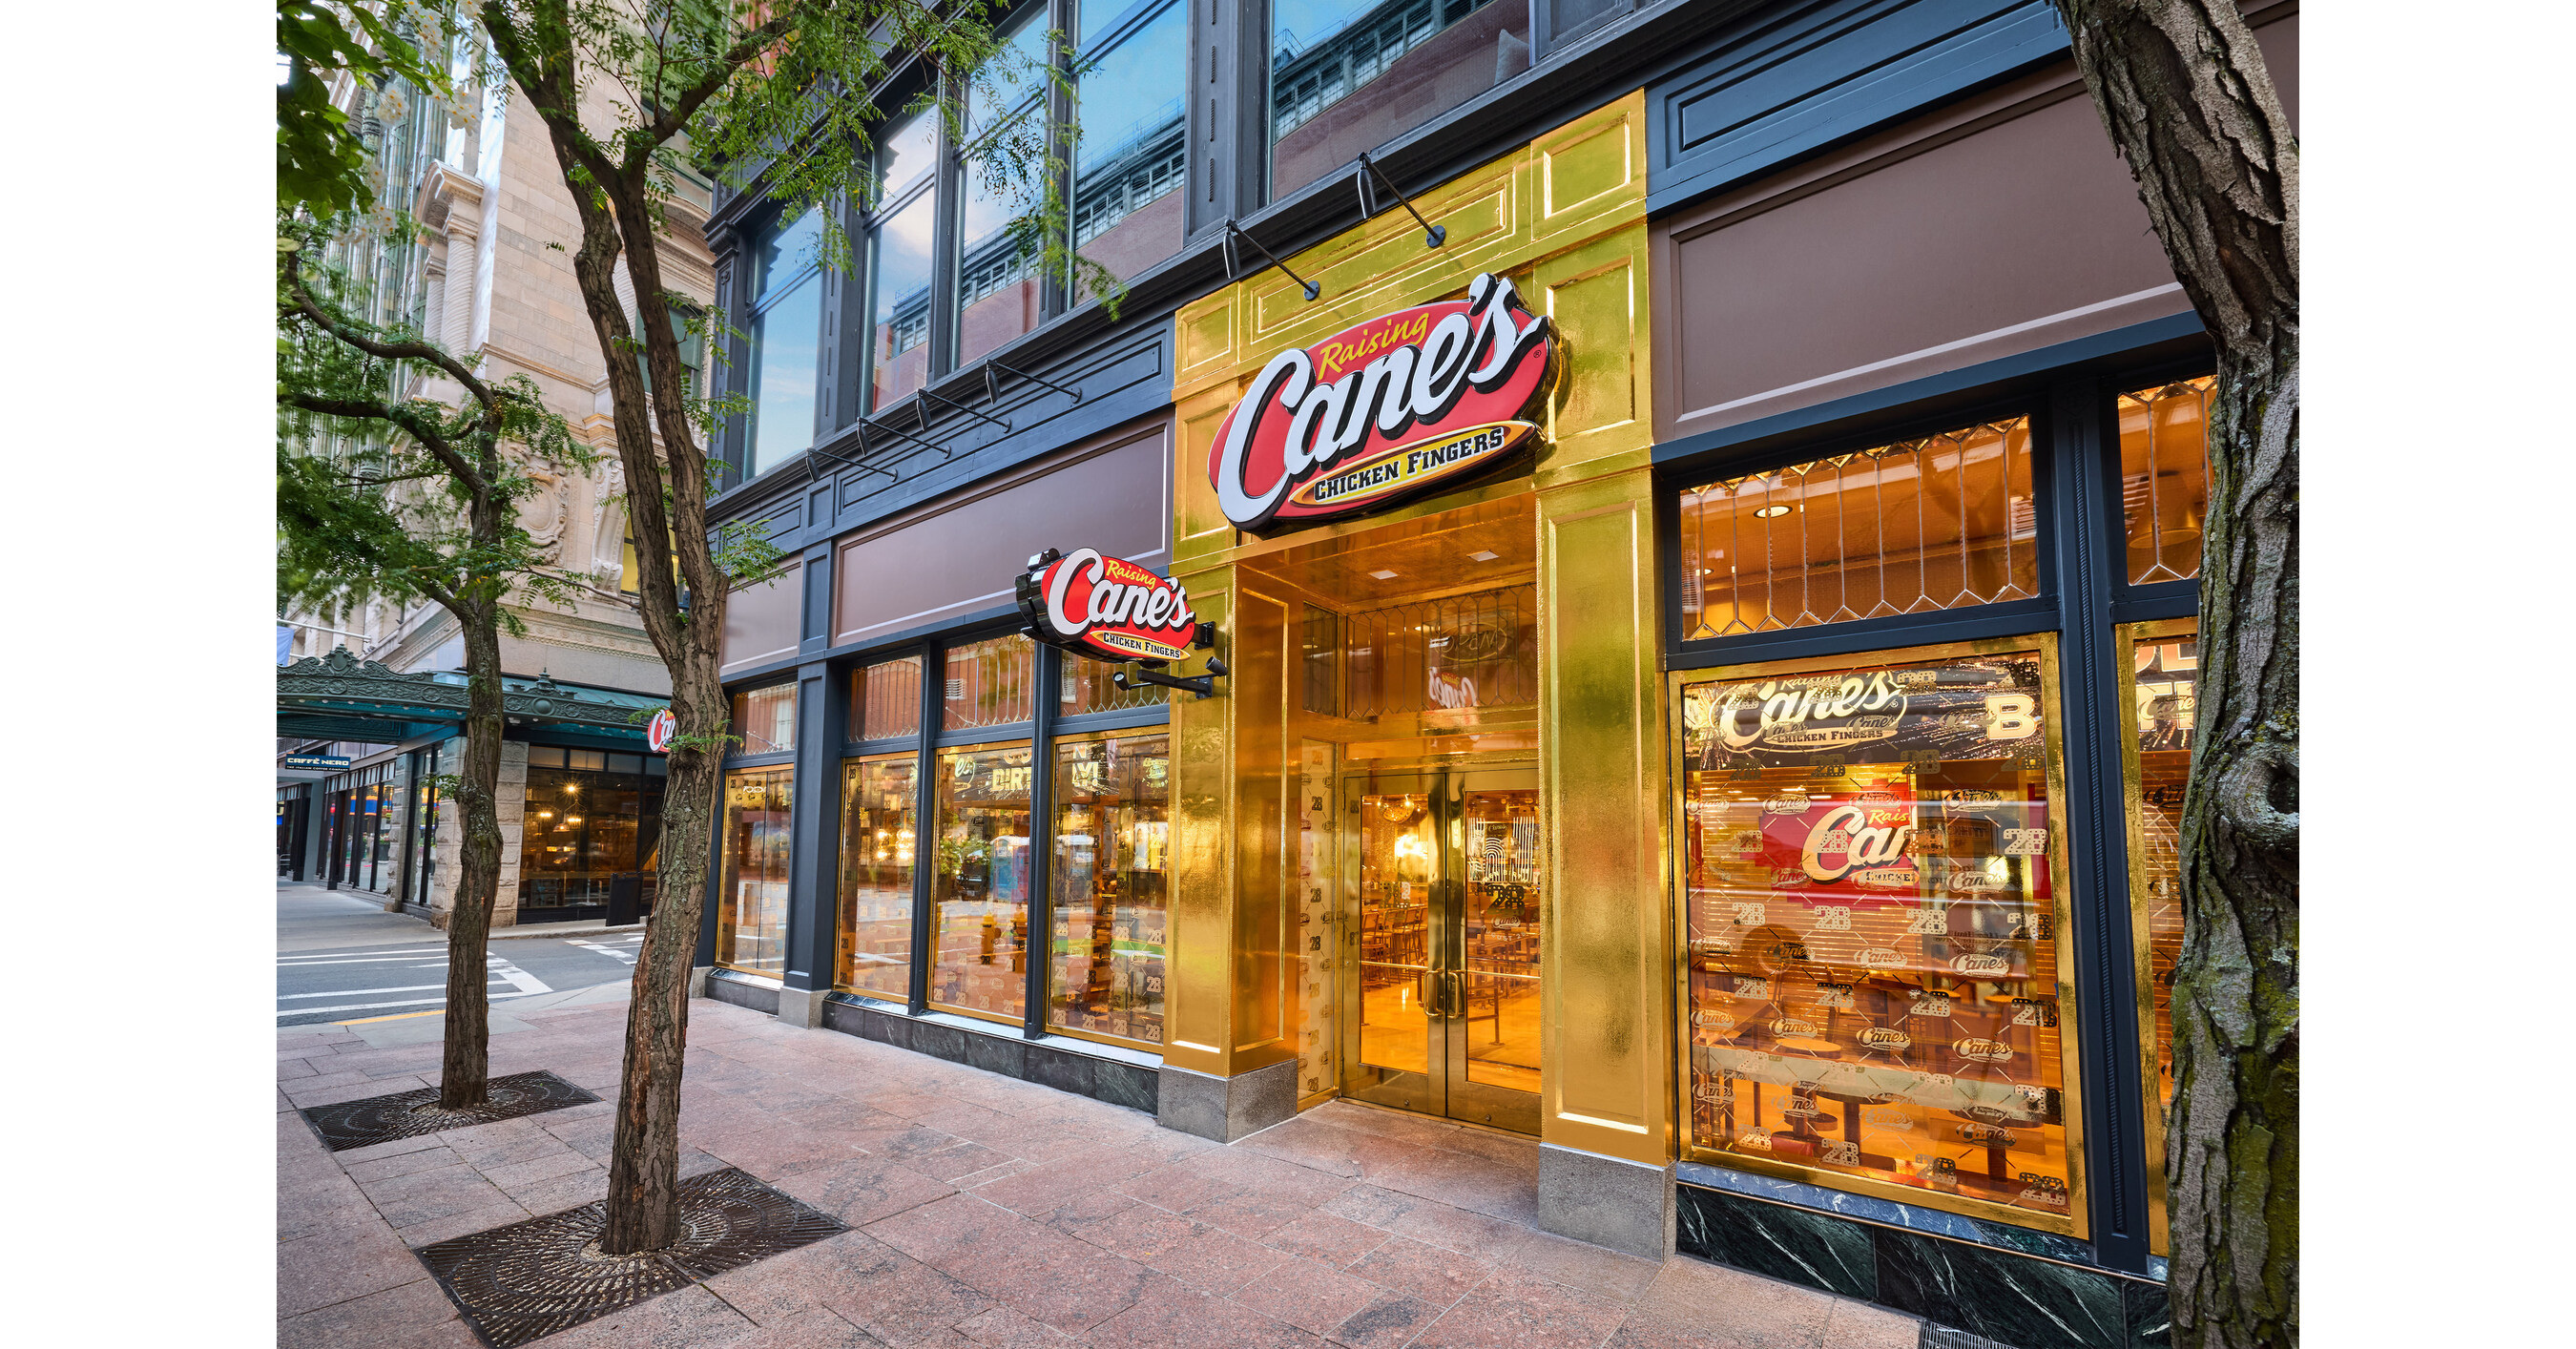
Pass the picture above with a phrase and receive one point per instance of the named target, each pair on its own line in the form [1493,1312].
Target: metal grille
[1944,522]
[409,1114]
[1477,650]
[531,1279]
[2164,478]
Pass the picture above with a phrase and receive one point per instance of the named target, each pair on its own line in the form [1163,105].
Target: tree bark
[2189,102]
[465,1068]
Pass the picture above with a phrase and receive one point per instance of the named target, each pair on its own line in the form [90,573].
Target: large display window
[751,887]
[1109,889]
[1876,992]
[2159,686]
[878,819]
[979,887]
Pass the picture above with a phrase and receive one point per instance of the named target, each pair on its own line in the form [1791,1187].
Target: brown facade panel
[956,556]
[761,621]
[2000,224]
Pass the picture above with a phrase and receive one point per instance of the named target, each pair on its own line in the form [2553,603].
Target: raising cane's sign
[1107,607]
[1421,399]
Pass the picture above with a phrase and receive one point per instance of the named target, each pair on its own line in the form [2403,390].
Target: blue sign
[316,763]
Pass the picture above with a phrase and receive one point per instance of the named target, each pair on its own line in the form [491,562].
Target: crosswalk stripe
[371,1006]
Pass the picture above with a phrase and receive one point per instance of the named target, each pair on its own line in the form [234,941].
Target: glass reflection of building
[591,818]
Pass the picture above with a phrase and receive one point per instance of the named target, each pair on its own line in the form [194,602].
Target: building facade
[1741,754]
[580,797]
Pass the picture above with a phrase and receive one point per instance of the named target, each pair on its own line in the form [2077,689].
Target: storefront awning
[339,697]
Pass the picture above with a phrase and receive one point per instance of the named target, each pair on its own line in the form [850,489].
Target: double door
[1442,1000]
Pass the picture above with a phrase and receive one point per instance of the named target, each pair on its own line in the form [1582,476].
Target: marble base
[1608,1201]
[1226,1108]
[1992,1289]
[723,986]
[802,1006]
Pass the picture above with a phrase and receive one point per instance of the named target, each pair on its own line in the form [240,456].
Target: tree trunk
[466,1067]
[644,1161]
[2188,101]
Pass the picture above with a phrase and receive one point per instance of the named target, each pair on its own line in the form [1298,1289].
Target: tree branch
[374,346]
[410,419]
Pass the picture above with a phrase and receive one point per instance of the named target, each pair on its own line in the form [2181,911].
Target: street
[382,966]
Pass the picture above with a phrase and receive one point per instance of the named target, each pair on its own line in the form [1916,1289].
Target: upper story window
[1131,78]
[899,252]
[2164,477]
[998,295]
[1350,75]
[786,291]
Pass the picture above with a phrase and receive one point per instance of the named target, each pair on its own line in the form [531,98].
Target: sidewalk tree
[2189,102]
[385,495]
[781,98]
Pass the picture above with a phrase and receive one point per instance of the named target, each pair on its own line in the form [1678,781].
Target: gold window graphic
[2161,683]
[1876,990]
[1943,522]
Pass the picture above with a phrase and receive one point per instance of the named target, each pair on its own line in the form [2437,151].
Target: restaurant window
[786,290]
[997,282]
[879,814]
[1872,872]
[765,719]
[1109,889]
[1131,76]
[899,237]
[2161,682]
[1085,686]
[885,699]
[751,886]
[590,817]
[979,889]
[2164,478]
[1944,522]
[989,683]
[1350,75]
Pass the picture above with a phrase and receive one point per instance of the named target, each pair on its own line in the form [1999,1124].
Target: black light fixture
[1232,265]
[1432,235]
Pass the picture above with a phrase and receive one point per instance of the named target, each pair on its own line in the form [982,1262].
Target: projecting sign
[1107,607]
[1426,398]
[316,763]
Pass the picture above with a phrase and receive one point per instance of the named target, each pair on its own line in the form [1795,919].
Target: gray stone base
[1226,1108]
[725,986]
[1608,1201]
[698,980]
[802,1006]
[1098,1072]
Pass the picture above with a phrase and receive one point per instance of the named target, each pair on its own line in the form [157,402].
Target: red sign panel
[658,731]
[1107,607]
[1425,398]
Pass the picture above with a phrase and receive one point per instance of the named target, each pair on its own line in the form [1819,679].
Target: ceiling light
[1771,512]
[1482,557]
[1383,575]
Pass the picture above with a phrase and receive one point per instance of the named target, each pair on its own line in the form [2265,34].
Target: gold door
[1446,870]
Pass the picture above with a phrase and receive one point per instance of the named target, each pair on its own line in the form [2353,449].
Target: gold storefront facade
[1419,835]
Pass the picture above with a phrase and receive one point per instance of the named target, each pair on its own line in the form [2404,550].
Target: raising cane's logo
[1426,397]
[1107,607]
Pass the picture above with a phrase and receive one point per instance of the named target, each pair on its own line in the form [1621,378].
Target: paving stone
[862,1190]
[1335,1240]
[1168,1315]
[1309,1295]
[1430,1274]
[1515,1308]
[412,1314]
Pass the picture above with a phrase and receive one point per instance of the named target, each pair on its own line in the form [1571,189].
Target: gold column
[1227,994]
[1607,1019]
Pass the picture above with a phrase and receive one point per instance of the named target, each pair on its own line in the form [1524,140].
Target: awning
[339,697]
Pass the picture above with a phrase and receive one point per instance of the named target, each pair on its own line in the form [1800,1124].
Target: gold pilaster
[1607,1015]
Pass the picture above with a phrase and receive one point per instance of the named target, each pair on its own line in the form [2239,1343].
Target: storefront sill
[1111,1073]
[1909,1217]
[757,992]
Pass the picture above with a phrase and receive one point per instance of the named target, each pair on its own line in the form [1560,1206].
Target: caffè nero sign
[1429,397]
[1106,607]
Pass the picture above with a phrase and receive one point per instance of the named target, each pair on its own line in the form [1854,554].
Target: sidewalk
[990,1211]
[311,918]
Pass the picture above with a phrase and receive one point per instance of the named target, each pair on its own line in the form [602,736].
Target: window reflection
[877,837]
[765,720]
[1128,165]
[979,891]
[786,340]
[989,683]
[1001,166]
[885,699]
[1109,886]
[2164,478]
[751,886]
[1348,75]
[2164,677]
[580,830]
[900,255]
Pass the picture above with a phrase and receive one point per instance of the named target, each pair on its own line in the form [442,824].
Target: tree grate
[530,1279]
[409,1114]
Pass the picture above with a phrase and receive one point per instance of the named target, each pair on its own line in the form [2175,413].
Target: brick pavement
[992,1212]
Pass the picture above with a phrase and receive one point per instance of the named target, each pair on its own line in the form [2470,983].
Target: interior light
[572,819]
[1482,556]
[545,815]
[1771,512]
[1382,575]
